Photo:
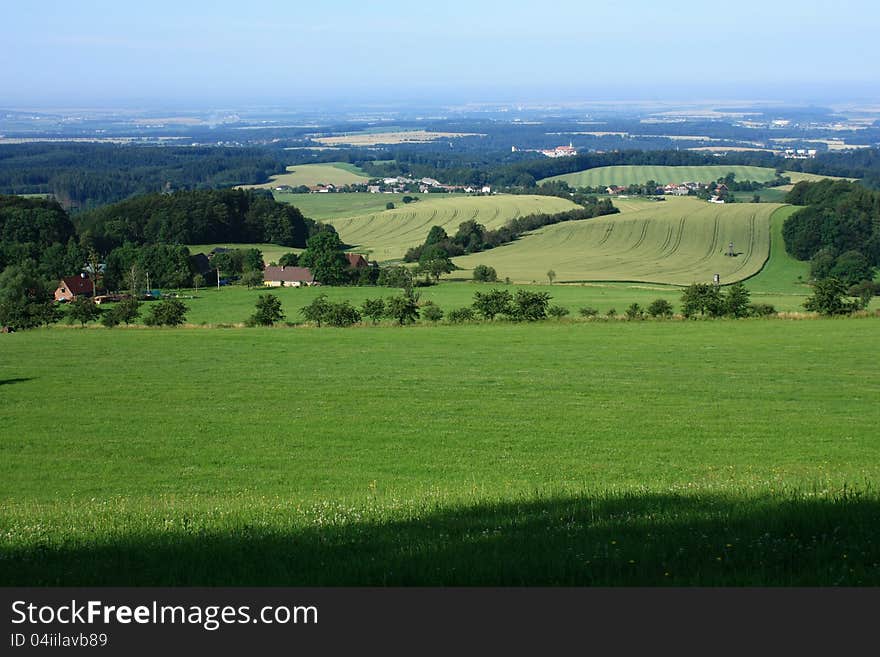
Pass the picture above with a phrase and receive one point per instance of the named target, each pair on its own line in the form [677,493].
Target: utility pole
[218,278]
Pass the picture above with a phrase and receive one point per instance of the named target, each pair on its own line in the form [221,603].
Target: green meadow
[600,453]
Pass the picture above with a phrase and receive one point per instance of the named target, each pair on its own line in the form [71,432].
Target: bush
[460,315]
[828,298]
[168,312]
[432,312]
[485,274]
[374,309]
[397,276]
[317,310]
[389,205]
[611,313]
[660,308]
[126,311]
[403,309]
[702,299]
[493,303]
[634,311]
[588,312]
[530,306]
[558,311]
[268,311]
[83,310]
[341,315]
[761,310]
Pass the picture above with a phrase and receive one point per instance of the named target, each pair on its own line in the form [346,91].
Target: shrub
[660,308]
[168,312]
[703,299]
[588,312]
[558,311]
[761,310]
[389,205]
[268,311]
[341,314]
[316,311]
[530,306]
[374,309]
[83,310]
[432,312]
[828,298]
[611,313]
[493,303]
[485,274]
[403,309]
[634,311]
[460,315]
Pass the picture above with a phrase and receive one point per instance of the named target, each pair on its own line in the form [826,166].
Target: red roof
[288,274]
[77,285]
[356,260]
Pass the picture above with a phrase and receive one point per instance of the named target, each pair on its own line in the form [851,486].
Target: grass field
[322,207]
[271,252]
[603,453]
[387,234]
[637,175]
[332,173]
[375,137]
[677,241]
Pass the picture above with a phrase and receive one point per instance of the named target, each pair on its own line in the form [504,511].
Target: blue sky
[100,52]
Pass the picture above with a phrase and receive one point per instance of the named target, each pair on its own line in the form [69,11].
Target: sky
[94,53]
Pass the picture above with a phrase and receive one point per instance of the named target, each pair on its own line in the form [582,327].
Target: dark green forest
[837,230]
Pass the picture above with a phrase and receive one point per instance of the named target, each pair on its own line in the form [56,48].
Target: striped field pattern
[386,235]
[678,241]
[663,175]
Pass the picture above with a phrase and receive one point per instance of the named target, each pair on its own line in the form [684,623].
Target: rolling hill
[677,241]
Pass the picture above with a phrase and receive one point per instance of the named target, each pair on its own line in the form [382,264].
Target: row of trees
[473,237]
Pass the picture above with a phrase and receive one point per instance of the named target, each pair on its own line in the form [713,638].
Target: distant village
[396,185]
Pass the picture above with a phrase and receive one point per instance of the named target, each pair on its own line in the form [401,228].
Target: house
[561,151]
[71,287]
[200,264]
[284,276]
[356,261]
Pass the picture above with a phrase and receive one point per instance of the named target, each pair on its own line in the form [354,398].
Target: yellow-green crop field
[640,174]
[677,241]
[333,173]
[387,234]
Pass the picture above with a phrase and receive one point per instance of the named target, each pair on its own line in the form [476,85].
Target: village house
[356,261]
[284,276]
[71,287]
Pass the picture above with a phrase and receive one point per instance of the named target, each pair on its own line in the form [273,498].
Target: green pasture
[388,234]
[626,175]
[678,241]
[271,252]
[602,453]
[331,173]
[322,207]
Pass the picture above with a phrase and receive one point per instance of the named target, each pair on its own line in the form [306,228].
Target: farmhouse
[71,287]
[288,276]
[356,261]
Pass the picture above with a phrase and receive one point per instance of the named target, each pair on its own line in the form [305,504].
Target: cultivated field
[677,241]
[371,138]
[386,235]
[271,252]
[333,173]
[322,207]
[671,453]
[637,175]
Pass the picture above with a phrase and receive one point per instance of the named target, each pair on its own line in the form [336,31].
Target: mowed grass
[604,453]
[640,174]
[678,241]
[388,234]
[331,173]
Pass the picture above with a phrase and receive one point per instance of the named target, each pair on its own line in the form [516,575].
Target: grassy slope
[322,207]
[639,174]
[387,234]
[661,453]
[677,241]
[782,274]
[333,173]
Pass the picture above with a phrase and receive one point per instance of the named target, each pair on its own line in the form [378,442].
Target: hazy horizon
[167,54]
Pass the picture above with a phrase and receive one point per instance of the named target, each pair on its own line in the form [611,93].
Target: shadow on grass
[625,540]
[8,382]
